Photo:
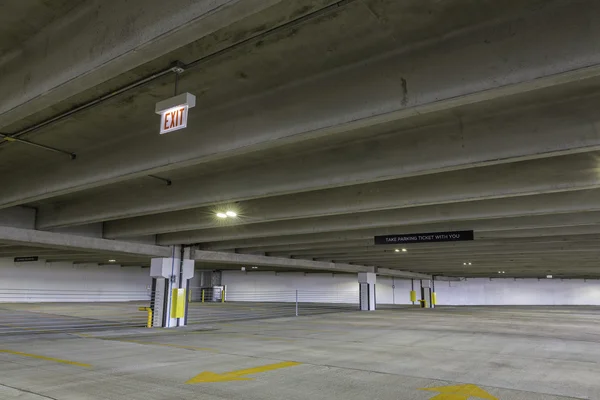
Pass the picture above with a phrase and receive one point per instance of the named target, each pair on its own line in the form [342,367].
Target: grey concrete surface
[513,353]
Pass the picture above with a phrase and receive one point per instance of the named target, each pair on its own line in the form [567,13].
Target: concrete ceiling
[324,123]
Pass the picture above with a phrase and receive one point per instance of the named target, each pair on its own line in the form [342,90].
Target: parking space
[457,353]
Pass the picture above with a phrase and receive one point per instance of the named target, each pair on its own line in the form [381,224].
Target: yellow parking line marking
[58,360]
[208,376]
[459,392]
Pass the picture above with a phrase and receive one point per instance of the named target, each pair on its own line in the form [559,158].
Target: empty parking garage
[270,199]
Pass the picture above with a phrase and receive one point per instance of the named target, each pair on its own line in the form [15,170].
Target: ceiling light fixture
[112,260]
[549,276]
[397,250]
[254,267]
[404,250]
[469,263]
[231,214]
[464,263]
[221,215]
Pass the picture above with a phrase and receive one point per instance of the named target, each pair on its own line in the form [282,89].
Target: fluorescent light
[469,263]
[112,260]
[404,250]
[549,276]
[464,263]
[397,250]
[221,215]
[254,267]
[231,214]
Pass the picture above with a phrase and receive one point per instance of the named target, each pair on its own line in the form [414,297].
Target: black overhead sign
[26,259]
[433,237]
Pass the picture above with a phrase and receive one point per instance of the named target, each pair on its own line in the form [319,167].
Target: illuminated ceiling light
[549,276]
[112,260]
[231,214]
[499,272]
[469,263]
[254,267]
[464,263]
[404,250]
[397,250]
[221,215]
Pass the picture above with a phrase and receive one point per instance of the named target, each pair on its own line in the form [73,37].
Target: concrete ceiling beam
[368,234]
[401,274]
[469,68]
[254,260]
[322,247]
[92,44]
[553,130]
[380,224]
[567,173]
[29,237]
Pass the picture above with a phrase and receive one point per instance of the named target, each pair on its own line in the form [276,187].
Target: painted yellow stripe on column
[39,357]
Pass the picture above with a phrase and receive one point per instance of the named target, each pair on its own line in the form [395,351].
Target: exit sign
[174,112]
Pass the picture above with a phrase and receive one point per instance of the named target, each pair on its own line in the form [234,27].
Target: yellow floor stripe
[58,360]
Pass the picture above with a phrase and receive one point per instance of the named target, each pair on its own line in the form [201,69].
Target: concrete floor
[511,353]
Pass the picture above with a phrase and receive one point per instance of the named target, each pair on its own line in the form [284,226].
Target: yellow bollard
[149,324]
[433,298]
[413,296]
[203,296]
[223,296]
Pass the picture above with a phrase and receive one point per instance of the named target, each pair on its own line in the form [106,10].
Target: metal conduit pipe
[177,68]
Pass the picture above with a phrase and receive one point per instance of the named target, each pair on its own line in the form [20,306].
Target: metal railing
[47,311]
[216,305]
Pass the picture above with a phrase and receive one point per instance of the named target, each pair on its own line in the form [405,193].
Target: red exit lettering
[173,119]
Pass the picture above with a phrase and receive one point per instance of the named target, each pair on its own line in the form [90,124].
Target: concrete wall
[323,287]
[282,286]
[312,287]
[65,282]
[519,292]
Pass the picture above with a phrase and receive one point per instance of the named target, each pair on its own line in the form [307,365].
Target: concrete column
[367,294]
[426,294]
[172,280]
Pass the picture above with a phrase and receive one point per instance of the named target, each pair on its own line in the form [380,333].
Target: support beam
[254,260]
[401,274]
[535,183]
[30,237]
[551,131]
[379,226]
[469,68]
[367,234]
[93,44]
